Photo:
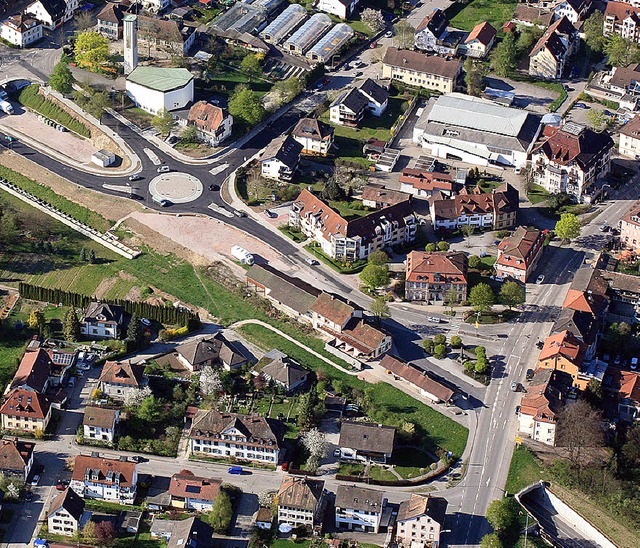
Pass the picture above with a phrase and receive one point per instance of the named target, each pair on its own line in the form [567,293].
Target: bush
[474,262]
[440,339]
[31,98]
[428,345]
[440,351]
[220,515]
[456,341]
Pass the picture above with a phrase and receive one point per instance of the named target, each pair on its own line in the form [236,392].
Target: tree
[430,247]
[84,20]
[190,135]
[593,36]
[456,341]
[568,227]
[378,258]
[92,256]
[133,398]
[288,89]
[451,298]
[97,105]
[150,410]
[91,50]
[503,58]
[443,246]
[134,330]
[621,52]
[440,351]
[221,513]
[36,320]
[380,309]
[502,514]
[308,410]
[492,540]
[246,105]
[467,232]
[597,118]
[332,190]
[71,326]
[373,19]
[440,338]
[481,297]
[61,78]
[105,533]
[315,443]
[474,261]
[89,531]
[210,383]
[579,427]
[250,65]
[83,254]
[163,122]
[374,276]
[475,72]
[405,35]
[512,294]
[266,498]
[428,345]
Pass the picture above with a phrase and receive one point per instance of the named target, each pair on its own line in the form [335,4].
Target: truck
[242,255]
[6,107]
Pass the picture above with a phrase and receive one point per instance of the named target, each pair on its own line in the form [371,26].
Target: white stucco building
[340,8]
[53,13]
[21,30]
[154,89]
[359,508]
[106,479]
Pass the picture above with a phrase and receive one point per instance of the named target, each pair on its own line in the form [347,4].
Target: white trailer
[6,107]
[242,255]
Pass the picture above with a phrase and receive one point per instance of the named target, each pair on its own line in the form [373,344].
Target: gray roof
[191,532]
[217,349]
[278,366]
[241,17]
[282,25]
[359,498]
[70,501]
[581,324]
[331,42]
[353,99]
[362,436]
[291,292]
[373,90]
[309,33]
[286,149]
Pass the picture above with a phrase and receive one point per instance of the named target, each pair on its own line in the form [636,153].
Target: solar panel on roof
[192,489]
[573,128]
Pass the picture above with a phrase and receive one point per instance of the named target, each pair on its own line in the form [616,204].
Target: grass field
[466,16]
[525,469]
[537,194]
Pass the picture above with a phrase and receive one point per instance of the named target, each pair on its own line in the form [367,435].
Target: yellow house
[25,410]
[420,70]
[564,352]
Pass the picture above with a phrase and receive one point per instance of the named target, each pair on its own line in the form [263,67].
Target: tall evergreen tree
[71,326]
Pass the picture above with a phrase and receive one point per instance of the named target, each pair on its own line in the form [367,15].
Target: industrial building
[330,44]
[284,24]
[308,34]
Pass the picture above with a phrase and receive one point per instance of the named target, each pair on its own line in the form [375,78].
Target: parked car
[373,45]
[270,213]
[497,278]
[35,480]
[634,363]
[529,374]
[311,261]
[388,34]
[239,213]
[337,452]
[358,74]
[28,496]
[540,279]
[582,105]
[514,386]
[214,187]
[434,319]
[163,169]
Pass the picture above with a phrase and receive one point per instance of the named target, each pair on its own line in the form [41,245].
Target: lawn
[537,194]
[342,268]
[348,211]
[297,237]
[466,16]
[381,474]
[411,463]
[350,469]
[139,117]
[525,469]
[391,405]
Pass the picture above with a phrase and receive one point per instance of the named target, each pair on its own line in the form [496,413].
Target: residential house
[550,54]
[61,364]
[426,183]
[480,41]
[339,8]
[212,123]
[625,387]
[99,423]
[103,321]
[630,229]
[280,158]
[216,351]
[315,136]
[574,10]
[624,288]
[53,13]
[21,30]
[119,378]
[476,130]
[377,196]
[432,34]
[360,341]
[564,352]
[539,408]
[588,293]
[66,513]
[630,139]
[191,492]
[420,70]
[173,36]
[359,508]
[355,239]
[282,371]
[366,442]
[301,501]
[623,19]
[584,326]
[264,517]
[349,107]
[528,16]
[331,313]
[288,294]
[418,379]
[155,6]
[572,159]
[420,521]
[620,84]
[436,278]
[25,410]
[191,533]
[97,477]
[33,371]
[16,458]
[493,210]
[230,435]
[519,254]
[110,19]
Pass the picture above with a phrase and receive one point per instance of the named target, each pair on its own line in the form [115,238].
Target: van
[235,470]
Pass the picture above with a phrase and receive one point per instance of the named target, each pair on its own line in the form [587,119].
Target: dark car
[529,374]
[214,187]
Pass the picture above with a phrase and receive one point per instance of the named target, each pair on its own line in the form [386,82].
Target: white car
[388,34]
[163,169]
[435,319]
[311,261]
[634,363]
[540,279]
[35,480]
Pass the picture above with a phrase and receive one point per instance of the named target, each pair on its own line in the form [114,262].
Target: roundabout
[177,187]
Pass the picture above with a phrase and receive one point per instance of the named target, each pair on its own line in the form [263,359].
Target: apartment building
[359,508]
[25,410]
[630,139]
[420,70]
[436,278]
[301,501]
[630,229]
[99,423]
[97,477]
[622,18]
[519,254]
[420,521]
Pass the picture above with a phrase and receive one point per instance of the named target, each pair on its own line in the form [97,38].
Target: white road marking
[218,169]
[152,156]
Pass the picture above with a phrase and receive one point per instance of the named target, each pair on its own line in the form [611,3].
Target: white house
[280,158]
[21,30]
[103,321]
[420,521]
[212,123]
[538,415]
[480,41]
[190,492]
[155,6]
[359,508]
[315,136]
[574,10]
[154,89]
[66,514]
[349,108]
[119,378]
[53,13]
[230,435]
[340,8]
[630,138]
[106,479]
[301,501]
[99,423]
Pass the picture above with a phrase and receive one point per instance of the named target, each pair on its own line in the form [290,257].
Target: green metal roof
[160,79]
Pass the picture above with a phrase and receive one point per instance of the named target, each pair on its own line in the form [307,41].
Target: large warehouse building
[477,131]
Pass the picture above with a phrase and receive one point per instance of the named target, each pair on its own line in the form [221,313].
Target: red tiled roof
[448,267]
[205,116]
[378,193]
[107,470]
[483,32]
[621,10]
[630,385]
[332,309]
[426,180]
[125,373]
[563,344]
[187,485]
[416,377]
[632,128]
[33,370]
[517,247]
[25,403]
[543,399]
[586,148]
[15,454]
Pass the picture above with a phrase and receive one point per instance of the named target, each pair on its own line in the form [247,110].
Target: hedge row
[29,97]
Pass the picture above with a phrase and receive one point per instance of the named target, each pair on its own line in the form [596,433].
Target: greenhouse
[284,24]
[241,17]
[308,34]
[330,43]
